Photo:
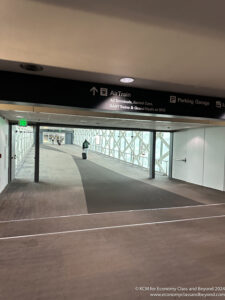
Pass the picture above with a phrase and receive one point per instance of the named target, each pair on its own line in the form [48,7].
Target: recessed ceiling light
[126,79]
[31,67]
[19,116]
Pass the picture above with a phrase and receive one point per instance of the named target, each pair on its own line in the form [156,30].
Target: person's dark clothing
[85,144]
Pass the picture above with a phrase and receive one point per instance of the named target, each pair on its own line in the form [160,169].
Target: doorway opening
[22,153]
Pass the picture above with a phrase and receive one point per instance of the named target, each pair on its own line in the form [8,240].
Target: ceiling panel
[175,45]
[104,122]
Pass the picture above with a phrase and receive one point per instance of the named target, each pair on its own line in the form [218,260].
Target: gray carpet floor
[107,190]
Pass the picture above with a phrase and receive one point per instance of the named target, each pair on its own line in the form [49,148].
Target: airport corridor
[105,214]
[70,185]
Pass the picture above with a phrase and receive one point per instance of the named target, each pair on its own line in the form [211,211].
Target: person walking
[58,141]
[85,146]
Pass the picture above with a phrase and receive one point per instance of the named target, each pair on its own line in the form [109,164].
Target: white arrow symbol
[93,90]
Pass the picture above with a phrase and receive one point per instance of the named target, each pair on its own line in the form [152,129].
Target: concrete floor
[51,248]
[26,169]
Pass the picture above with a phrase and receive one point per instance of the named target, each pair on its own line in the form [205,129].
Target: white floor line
[112,212]
[110,227]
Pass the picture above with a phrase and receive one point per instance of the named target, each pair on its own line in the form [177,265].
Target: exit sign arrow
[93,90]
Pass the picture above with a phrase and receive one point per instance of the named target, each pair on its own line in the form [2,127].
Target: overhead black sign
[23,88]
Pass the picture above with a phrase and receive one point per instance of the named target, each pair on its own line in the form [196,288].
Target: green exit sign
[23,122]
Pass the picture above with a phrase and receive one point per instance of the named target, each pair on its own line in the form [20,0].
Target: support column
[37,153]
[152,155]
[171,155]
[10,154]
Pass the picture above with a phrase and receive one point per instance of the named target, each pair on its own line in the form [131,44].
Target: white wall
[195,156]
[204,150]
[4,152]
[214,158]
[179,153]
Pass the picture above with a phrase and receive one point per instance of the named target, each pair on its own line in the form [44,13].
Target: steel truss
[129,146]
